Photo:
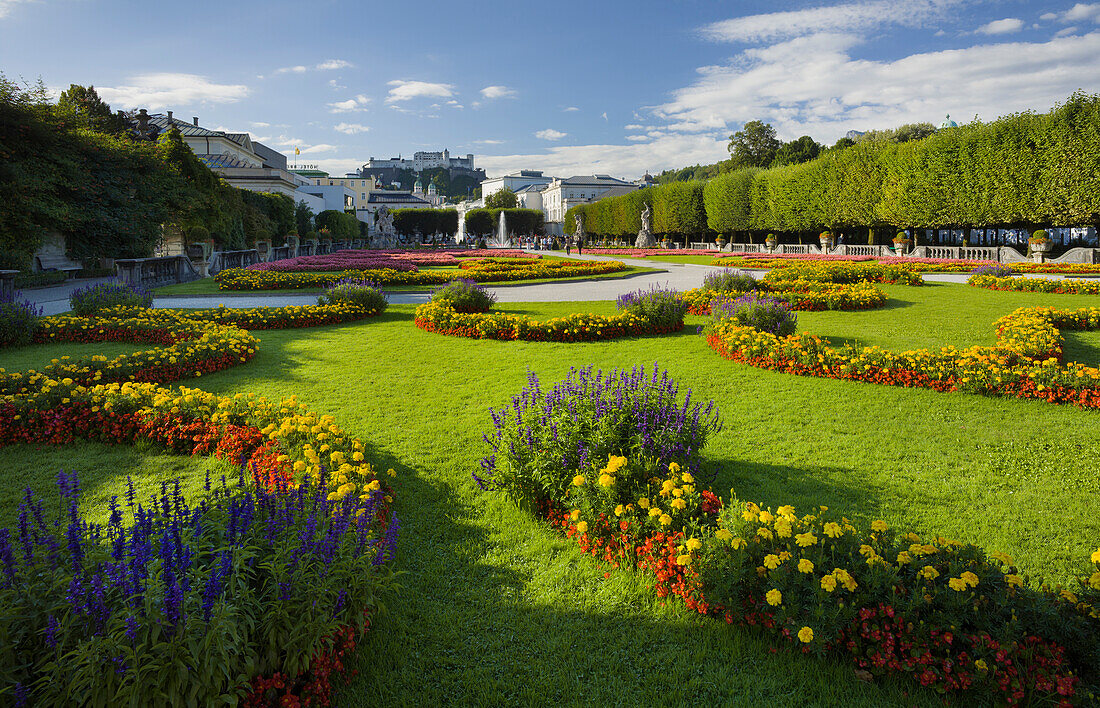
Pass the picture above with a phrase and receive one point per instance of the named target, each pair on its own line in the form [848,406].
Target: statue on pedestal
[387,237]
[645,235]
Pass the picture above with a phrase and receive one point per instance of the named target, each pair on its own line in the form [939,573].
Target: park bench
[57,263]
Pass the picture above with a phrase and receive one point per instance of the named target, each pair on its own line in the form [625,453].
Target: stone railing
[862,250]
[221,260]
[154,272]
[7,284]
[279,253]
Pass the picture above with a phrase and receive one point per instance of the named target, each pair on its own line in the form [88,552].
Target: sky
[615,86]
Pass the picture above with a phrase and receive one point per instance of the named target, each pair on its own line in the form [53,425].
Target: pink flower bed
[885,260]
[400,260]
[644,252]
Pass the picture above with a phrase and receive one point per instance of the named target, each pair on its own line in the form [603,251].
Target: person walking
[568,244]
[578,245]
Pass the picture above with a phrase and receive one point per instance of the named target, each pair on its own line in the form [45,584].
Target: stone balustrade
[222,260]
[7,284]
[154,272]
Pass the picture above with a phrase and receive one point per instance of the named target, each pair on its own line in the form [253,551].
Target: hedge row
[1022,169]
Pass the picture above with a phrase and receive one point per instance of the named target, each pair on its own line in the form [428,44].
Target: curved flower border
[581,327]
[1026,362]
[1036,285]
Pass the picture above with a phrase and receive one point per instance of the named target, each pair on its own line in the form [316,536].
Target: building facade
[514,181]
[561,194]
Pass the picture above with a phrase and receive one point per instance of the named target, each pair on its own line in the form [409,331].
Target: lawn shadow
[1080,349]
[493,612]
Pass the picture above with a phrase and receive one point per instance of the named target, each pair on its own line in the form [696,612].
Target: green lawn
[497,609]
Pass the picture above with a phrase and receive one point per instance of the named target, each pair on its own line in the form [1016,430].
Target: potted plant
[826,239]
[901,242]
[771,242]
[721,241]
[1040,242]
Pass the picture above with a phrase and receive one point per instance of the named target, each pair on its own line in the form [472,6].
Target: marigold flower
[805,565]
[957,584]
[739,543]
[673,467]
[783,528]
[774,597]
[805,635]
[766,517]
[833,530]
[606,480]
[575,514]
[582,526]
[806,539]
[1095,558]
[828,583]
[725,535]
[578,480]
[665,519]
[654,512]
[771,561]
[678,503]
[879,526]
[683,559]
[693,544]
[970,579]
[643,503]
[929,573]
[687,478]
[980,665]
[904,558]
[1014,580]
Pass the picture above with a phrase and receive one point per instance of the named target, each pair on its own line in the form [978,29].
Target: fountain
[501,240]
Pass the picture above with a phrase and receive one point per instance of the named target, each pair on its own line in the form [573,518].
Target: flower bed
[1024,364]
[400,260]
[946,614]
[919,265]
[647,252]
[261,589]
[644,312]
[817,286]
[1036,285]
[478,270]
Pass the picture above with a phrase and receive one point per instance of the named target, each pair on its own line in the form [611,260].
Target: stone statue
[645,236]
[578,219]
[387,237]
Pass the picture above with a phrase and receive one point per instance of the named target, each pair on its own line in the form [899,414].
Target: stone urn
[1042,247]
[826,243]
[900,246]
[771,244]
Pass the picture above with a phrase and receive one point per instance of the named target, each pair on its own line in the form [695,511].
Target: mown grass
[497,609]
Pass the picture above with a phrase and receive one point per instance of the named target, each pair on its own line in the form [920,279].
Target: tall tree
[504,199]
[797,151]
[754,145]
[83,106]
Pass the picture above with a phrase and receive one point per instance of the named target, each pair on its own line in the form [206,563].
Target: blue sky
[568,87]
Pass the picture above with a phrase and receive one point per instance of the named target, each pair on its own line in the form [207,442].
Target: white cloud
[498,92]
[359,103]
[1065,31]
[1006,26]
[323,147]
[550,134]
[812,85]
[454,104]
[638,138]
[336,84]
[629,161]
[634,126]
[604,116]
[6,6]
[165,90]
[570,109]
[1049,16]
[333,64]
[329,65]
[407,90]
[488,142]
[260,124]
[350,128]
[1082,11]
[850,17]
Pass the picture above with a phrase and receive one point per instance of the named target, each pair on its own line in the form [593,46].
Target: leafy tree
[479,222]
[754,145]
[341,226]
[303,217]
[83,108]
[844,142]
[797,151]
[503,199]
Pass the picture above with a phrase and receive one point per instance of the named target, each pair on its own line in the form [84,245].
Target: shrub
[545,438]
[465,295]
[18,321]
[351,291]
[89,300]
[767,314]
[248,582]
[729,280]
[996,271]
[661,306]
[1039,236]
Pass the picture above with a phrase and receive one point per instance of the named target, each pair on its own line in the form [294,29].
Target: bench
[57,263]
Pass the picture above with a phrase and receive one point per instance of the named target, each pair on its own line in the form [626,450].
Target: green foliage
[755,145]
[303,218]
[341,226]
[426,222]
[465,296]
[519,221]
[502,199]
[355,292]
[797,151]
[479,222]
[81,107]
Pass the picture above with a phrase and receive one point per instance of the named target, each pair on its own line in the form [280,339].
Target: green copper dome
[948,123]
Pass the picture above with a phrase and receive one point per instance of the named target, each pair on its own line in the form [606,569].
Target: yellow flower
[774,597]
[694,544]
[615,463]
[833,530]
[828,583]
[677,503]
[606,480]
[687,478]
[578,480]
[1002,557]
[1094,580]
[879,526]
[582,526]
[665,519]
[643,503]
[673,467]
[980,665]
[806,539]
[1067,595]
[575,514]
[929,573]
[654,512]
[1014,580]
[903,558]
[805,635]
[805,565]
[786,510]
[1095,558]
[766,517]
[739,543]
[957,584]
[619,510]
[771,561]
[970,579]
[725,535]
[783,528]
[684,559]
